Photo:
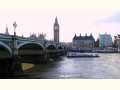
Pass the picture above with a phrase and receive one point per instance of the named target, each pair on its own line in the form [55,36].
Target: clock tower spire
[56,31]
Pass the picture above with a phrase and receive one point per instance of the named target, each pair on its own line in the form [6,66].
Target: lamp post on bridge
[14,40]
[15,64]
[15,26]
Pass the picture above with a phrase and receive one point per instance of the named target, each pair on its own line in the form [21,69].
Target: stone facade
[39,37]
[83,42]
[117,41]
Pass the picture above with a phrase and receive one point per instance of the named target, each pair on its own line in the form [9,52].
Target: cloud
[113,18]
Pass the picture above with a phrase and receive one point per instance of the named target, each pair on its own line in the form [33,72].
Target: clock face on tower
[56,27]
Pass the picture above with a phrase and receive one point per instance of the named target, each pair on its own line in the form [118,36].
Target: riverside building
[117,41]
[83,42]
[105,41]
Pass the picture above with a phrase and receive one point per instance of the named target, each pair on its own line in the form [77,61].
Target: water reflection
[106,66]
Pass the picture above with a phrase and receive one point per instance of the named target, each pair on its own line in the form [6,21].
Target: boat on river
[79,54]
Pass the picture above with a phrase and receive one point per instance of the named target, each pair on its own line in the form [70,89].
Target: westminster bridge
[19,46]
[12,46]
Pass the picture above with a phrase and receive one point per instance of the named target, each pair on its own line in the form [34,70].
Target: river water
[107,66]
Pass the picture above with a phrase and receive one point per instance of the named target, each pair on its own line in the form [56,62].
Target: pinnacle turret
[56,21]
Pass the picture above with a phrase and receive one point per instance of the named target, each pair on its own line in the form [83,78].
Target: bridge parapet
[8,40]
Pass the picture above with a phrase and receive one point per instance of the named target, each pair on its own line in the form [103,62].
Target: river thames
[107,66]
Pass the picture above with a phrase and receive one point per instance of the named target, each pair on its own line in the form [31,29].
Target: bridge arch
[51,46]
[27,43]
[6,47]
[30,52]
[60,47]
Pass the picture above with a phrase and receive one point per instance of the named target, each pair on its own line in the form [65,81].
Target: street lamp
[14,25]
[14,40]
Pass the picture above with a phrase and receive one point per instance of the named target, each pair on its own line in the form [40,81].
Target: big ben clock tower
[56,31]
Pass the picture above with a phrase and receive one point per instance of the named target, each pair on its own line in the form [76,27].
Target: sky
[74,16]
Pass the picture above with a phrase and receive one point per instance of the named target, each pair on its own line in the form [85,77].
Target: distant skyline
[74,16]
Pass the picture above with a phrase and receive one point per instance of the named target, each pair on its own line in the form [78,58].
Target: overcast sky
[74,16]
